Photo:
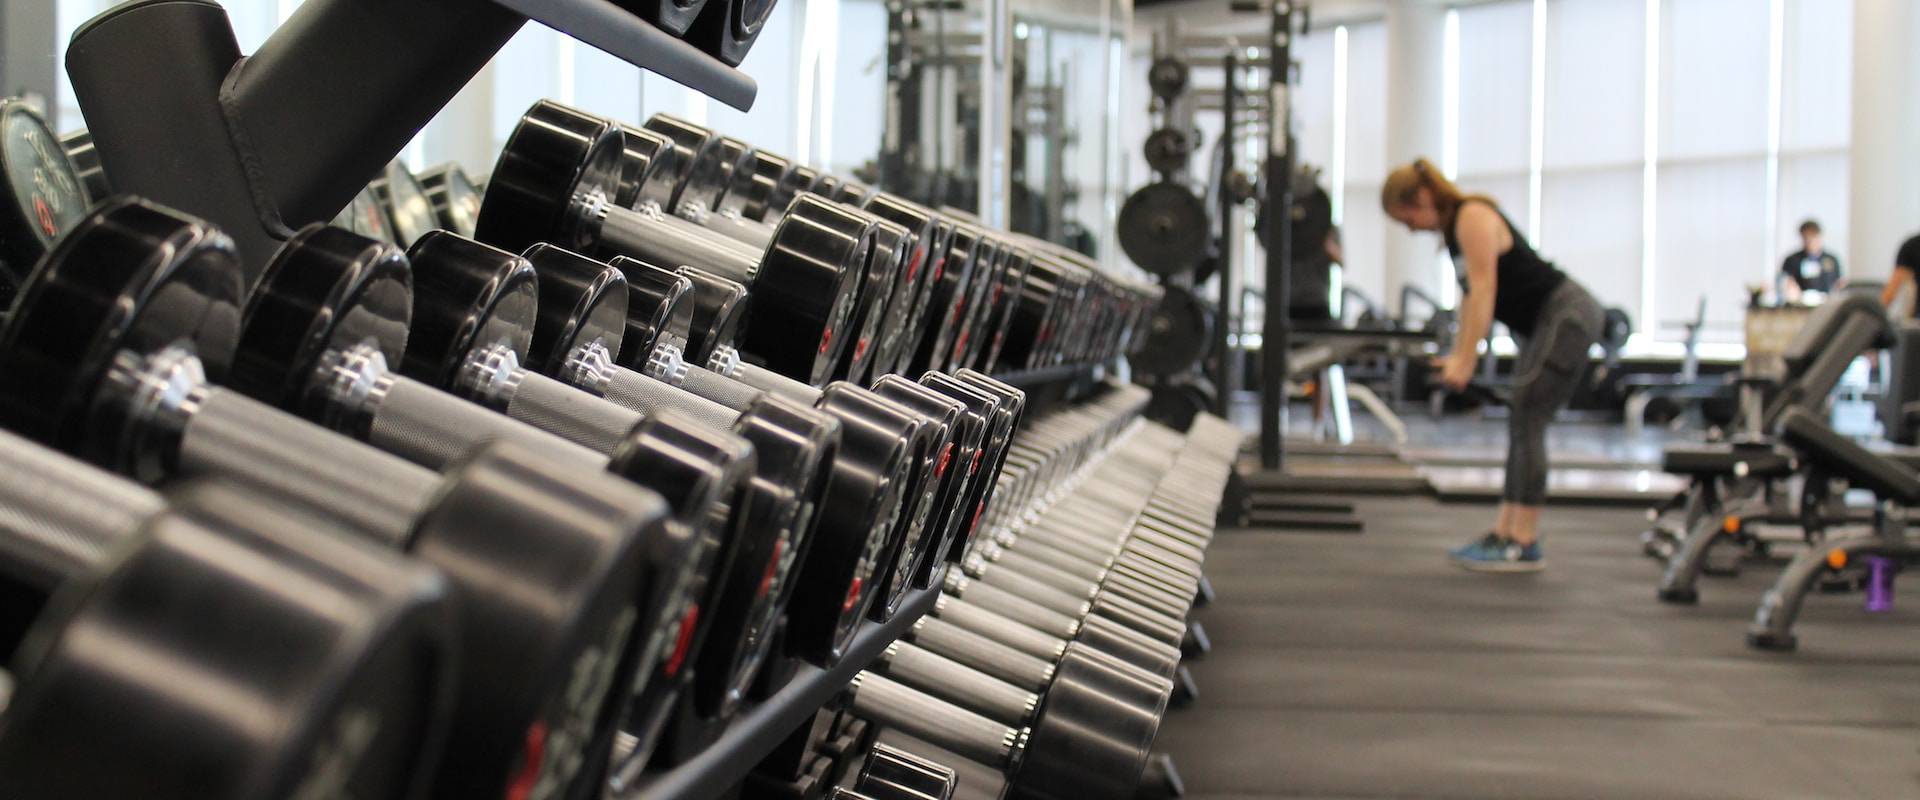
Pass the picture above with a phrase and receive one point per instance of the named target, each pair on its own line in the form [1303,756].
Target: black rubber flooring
[1367,666]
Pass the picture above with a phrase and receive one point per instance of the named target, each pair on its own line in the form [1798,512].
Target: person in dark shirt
[1555,319]
[1811,269]
[1905,264]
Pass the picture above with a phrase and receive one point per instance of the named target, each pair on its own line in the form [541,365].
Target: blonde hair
[1403,186]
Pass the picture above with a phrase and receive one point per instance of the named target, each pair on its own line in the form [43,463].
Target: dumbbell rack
[754,734]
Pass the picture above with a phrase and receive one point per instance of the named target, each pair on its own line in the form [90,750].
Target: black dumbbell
[556,182]
[406,203]
[332,308]
[106,356]
[345,653]
[891,773]
[367,216]
[86,159]
[455,198]
[1079,743]
[701,190]
[672,16]
[44,195]
[861,495]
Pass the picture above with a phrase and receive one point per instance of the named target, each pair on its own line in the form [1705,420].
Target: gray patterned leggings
[1552,366]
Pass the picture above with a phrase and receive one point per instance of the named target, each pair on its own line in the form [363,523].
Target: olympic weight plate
[44,194]
[1164,228]
[1168,150]
[1167,77]
[1178,334]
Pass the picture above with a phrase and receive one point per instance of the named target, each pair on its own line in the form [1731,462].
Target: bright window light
[1649,172]
[1537,134]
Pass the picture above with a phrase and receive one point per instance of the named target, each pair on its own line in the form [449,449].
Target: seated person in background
[1901,285]
[1812,269]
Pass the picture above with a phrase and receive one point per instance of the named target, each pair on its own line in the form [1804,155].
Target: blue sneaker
[1491,553]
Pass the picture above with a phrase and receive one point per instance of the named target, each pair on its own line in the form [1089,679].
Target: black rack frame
[758,730]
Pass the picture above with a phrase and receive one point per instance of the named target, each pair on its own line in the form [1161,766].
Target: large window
[1660,151]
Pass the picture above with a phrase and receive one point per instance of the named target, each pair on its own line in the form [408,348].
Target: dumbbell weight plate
[583,308]
[719,311]
[988,274]
[952,278]
[726,29]
[86,158]
[838,579]
[887,262]
[406,203]
[369,637]
[456,201]
[751,195]
[366,216]
[154,280]
[908,283]
[45,196]
[800,179]
[1000,316]
[672,16]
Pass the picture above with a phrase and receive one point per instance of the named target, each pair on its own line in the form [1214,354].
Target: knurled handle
[961,685]
[981,653]
[434,429]
[720,388]
[941,723]
[1015,607]
[236,437]
[646,395]
[1000,629]
[60,515]
[571,414]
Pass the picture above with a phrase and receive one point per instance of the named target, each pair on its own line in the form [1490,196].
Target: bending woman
[1554,319]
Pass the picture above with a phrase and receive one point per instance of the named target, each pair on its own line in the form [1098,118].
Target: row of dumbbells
[609,550]
[1047,673]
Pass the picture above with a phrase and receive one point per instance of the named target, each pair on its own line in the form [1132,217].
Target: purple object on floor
[1880,572]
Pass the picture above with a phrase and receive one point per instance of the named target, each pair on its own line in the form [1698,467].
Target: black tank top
[1525,279]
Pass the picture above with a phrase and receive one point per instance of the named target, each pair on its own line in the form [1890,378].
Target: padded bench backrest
[1835,334]
[1842,457]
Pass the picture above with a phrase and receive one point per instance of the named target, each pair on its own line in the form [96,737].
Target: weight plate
[1167,77]
[726,29]
[719,310]
[406,203]
[1164,228]
[754,189]
[892,247]
[1179,335]
[326,291]
[45,196]
[672,16]
[86,159]
[556,159]
[894,331]
[456,201]
[648,164]
[946,301]
[704,474]
[659,309]
[805,288]
[366,216]
[130,277]
[1168,150]
[583,310]
[800,179]
[347,681]
[837,580]
[467,296]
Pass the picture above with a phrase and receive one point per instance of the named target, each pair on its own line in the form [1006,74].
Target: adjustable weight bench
[1875,558]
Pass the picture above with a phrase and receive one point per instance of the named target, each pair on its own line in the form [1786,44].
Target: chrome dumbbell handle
[942,676]
[943,724]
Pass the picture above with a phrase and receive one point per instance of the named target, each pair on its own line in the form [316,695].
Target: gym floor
[1366,666]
